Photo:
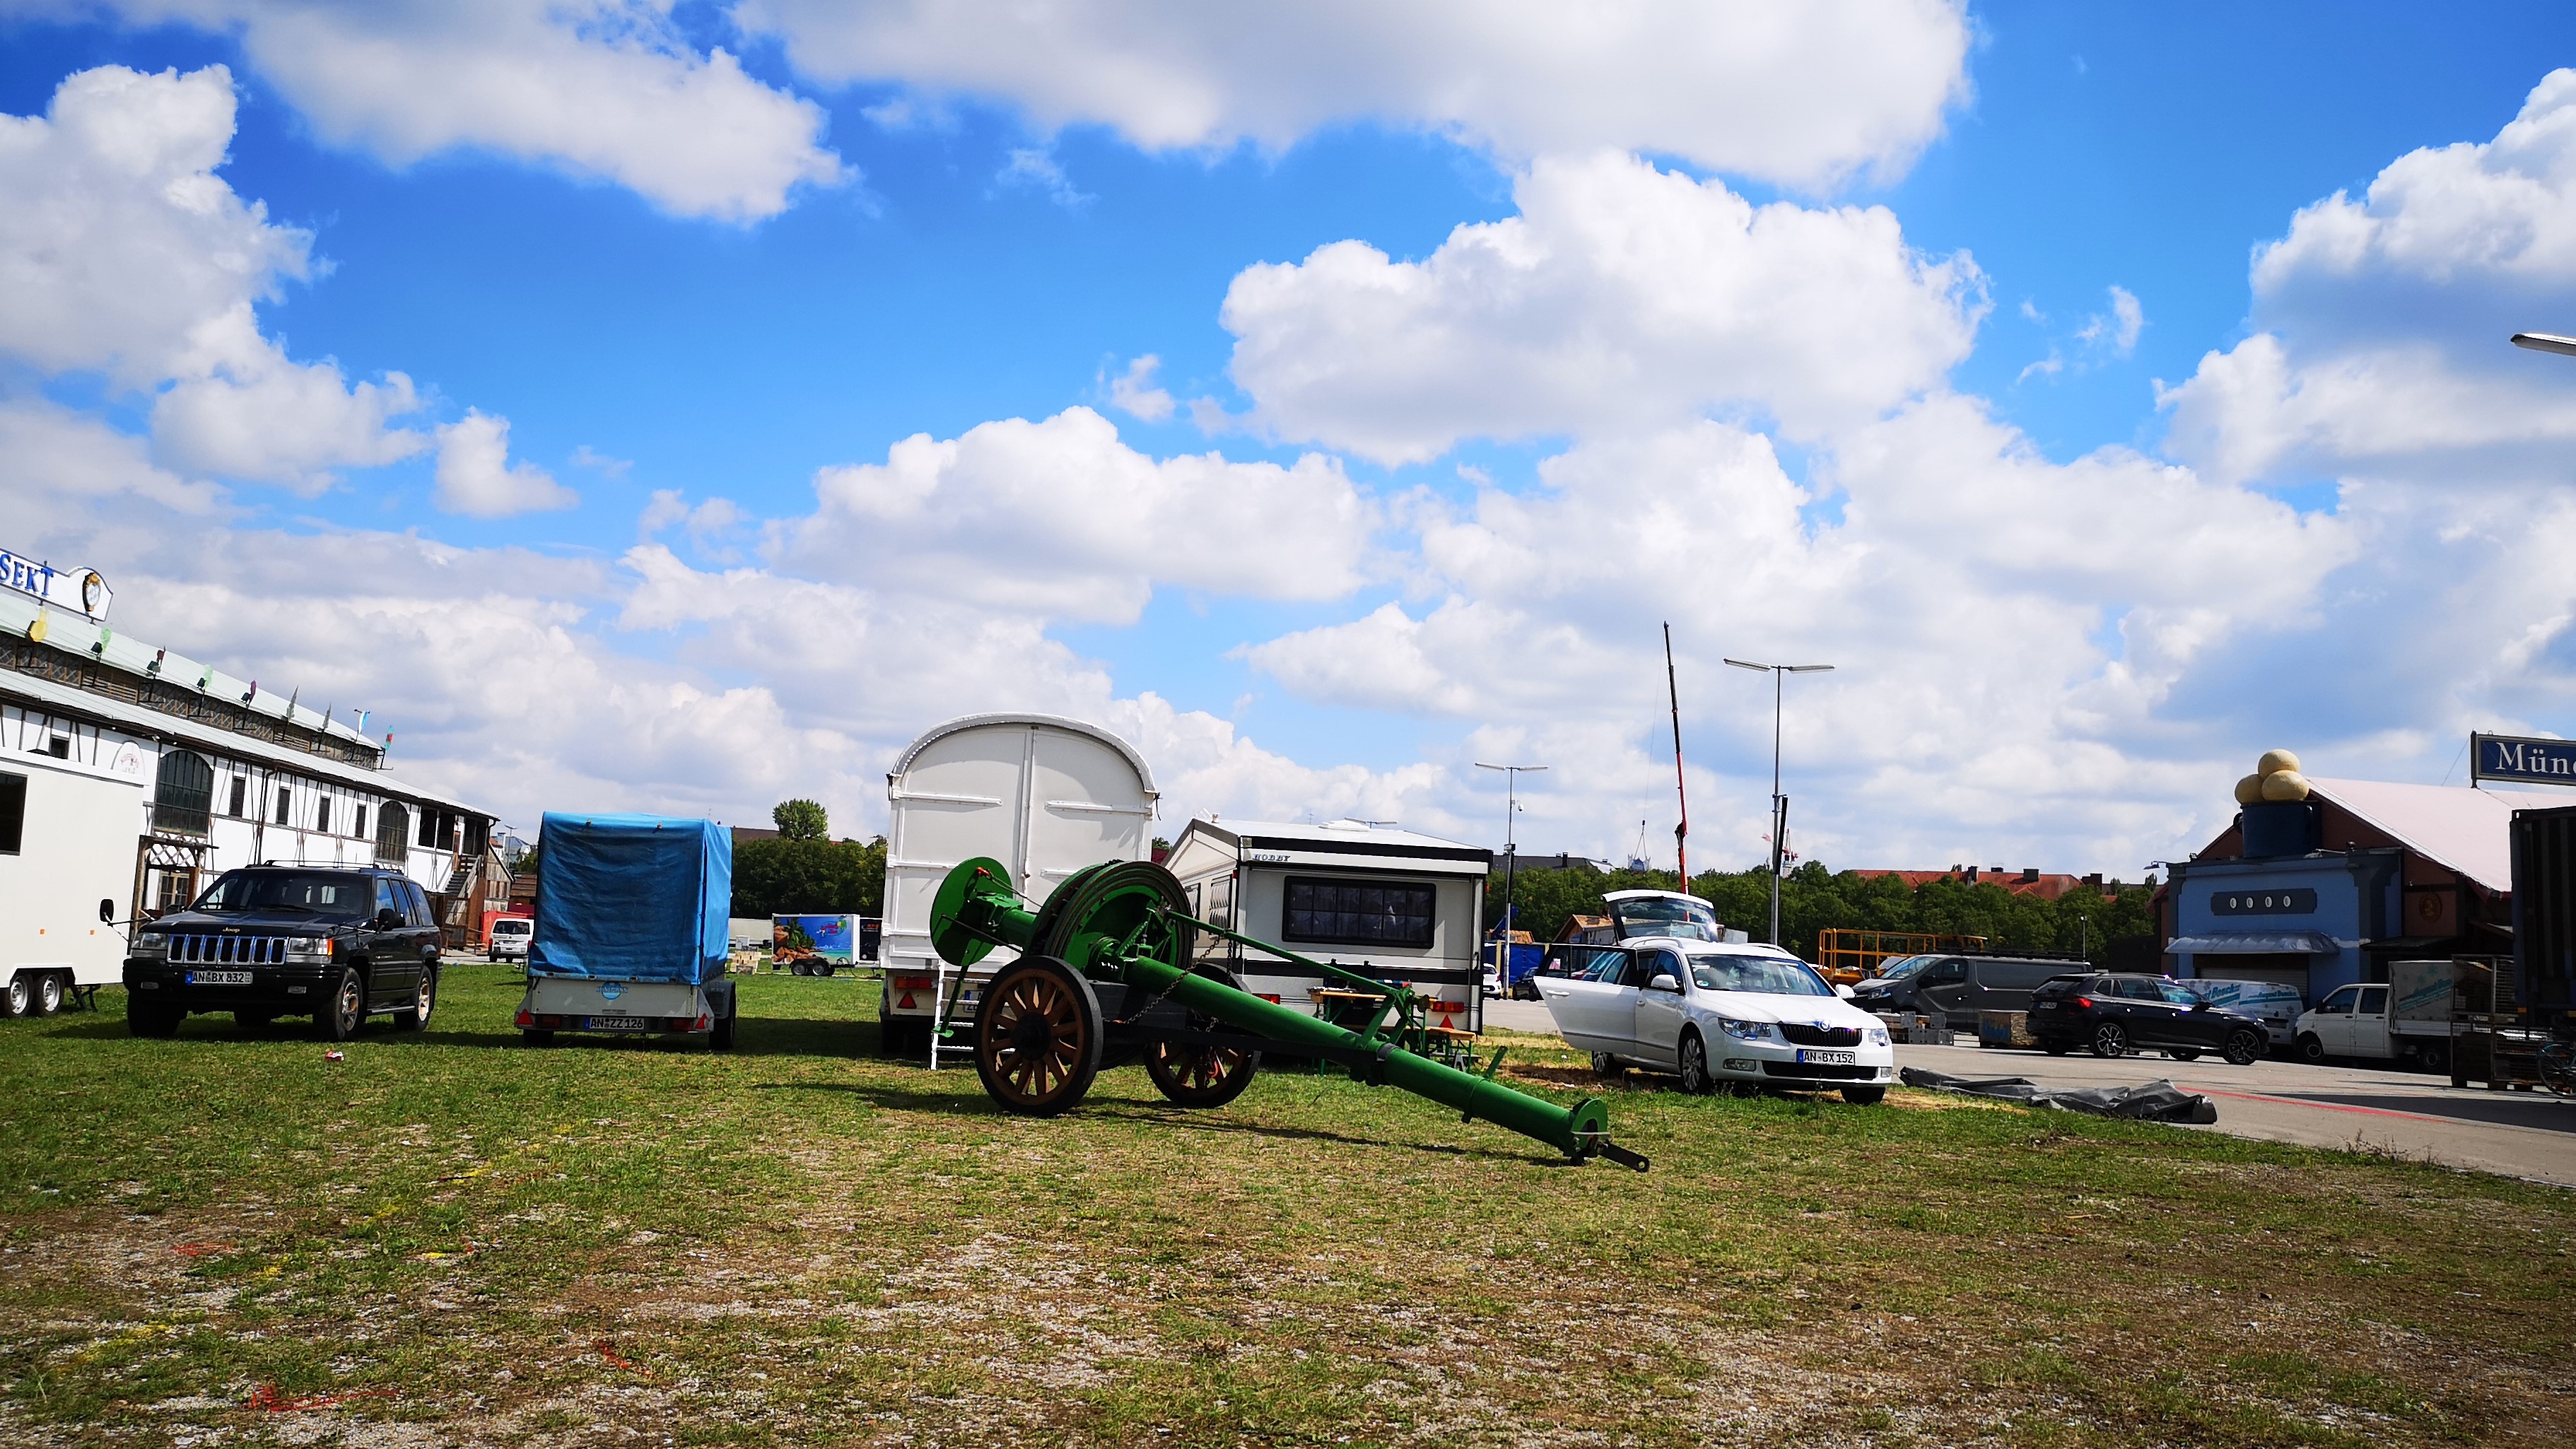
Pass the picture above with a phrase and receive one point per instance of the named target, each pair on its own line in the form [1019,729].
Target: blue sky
[978,264]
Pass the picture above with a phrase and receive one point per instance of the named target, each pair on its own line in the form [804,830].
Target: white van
[2275,1005]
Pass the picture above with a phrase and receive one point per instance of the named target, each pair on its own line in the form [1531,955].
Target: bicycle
[2558,1067]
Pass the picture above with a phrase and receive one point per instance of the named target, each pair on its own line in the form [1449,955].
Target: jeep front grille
[228,950]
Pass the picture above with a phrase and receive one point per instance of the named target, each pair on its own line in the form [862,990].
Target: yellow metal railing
[1846,956]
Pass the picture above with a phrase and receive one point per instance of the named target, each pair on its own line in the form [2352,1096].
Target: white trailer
[1390,904]
[66,858]
[1045,796]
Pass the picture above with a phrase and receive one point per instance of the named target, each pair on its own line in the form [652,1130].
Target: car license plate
[219,978]
[617,1023]
[1829,1059]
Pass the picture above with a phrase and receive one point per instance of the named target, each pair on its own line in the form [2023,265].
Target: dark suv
[333,942]
[2111,1014]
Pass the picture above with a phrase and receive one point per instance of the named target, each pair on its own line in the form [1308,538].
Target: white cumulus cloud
[601,88]
[1622,297]
[1796,91]
[477,478]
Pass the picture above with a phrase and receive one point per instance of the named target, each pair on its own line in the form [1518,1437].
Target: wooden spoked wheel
[1191,1075]
[1037,1037]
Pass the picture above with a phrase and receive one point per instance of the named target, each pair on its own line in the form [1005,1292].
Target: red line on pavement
[2343,1107]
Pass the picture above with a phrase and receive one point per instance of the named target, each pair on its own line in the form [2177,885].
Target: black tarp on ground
[2154,1102]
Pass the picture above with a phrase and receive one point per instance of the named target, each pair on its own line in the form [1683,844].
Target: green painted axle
[989,910]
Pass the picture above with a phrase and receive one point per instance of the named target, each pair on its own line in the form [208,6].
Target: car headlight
[1878,1036]
[1745,1030]
[308,948]
[152,943]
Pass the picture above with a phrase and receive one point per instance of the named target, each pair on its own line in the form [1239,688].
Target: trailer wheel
[21,995]
[721,1039]
[49,994]
[536,1038]
[1038,1037]
[1202,1076]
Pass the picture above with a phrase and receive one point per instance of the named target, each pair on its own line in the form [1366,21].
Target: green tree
[809,877]
[801,820]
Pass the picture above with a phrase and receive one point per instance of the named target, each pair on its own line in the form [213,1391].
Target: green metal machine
[1106,966]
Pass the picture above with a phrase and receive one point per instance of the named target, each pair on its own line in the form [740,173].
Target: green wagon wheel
[1191,1075]
[1037,1037]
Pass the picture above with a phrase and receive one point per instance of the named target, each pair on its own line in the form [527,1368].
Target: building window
[429,829]
[358,821]
[393,833]
[1357,913]
[60,747]
[13,813]
[285,799]
[183,796]
[241,793]
[322,814]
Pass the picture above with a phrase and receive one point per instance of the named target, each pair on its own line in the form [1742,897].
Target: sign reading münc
[2533,762]
[80,589]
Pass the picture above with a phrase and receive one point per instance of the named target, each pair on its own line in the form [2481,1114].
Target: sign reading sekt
[2535,762]
[77,589]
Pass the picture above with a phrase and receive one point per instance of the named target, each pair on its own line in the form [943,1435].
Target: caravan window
[1357,912]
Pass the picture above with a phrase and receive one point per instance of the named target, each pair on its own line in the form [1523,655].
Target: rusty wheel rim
[1034,1038]
[1198,1069]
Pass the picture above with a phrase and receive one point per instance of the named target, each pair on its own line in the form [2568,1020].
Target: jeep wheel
[2110,1039]
[246,1019]
[416,1015]
[340,1014]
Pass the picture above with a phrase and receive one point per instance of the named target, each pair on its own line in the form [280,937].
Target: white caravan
[1385,903]
[1044,796]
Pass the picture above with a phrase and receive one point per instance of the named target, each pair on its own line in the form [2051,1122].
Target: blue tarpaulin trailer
[631,928]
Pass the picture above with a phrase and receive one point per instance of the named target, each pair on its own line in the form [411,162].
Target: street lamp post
[1511,858]
[1778,813]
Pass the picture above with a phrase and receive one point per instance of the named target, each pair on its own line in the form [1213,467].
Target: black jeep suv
[337,943]
[2116,1012]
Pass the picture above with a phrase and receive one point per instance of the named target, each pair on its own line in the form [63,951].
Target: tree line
[804,872]
[2087,919]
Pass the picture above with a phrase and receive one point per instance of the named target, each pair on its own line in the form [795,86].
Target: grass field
[449,1238]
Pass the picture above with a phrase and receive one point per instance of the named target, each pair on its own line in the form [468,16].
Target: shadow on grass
[970,1102]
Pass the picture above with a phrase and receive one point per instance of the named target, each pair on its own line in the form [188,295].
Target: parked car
[2269,1002]
[510,936]
[2114,1014]
[267,941]
[1720,1012]
[1959,988]
[2406,1019]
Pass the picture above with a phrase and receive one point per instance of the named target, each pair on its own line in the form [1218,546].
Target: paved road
[2518,1134]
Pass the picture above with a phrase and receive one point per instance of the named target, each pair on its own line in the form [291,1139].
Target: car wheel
[1864,1096]
[143,1019]
[416,1015]
[2183,1054]
[49,994]
[2434,1056]
[344,1010]
[2110,1039]
[1605,1065]
[2056,1046]
[21,997]
[536,1038]
[1694,1057]
[2244,1048]
[2312,1049]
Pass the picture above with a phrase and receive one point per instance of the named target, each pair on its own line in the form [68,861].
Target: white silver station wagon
[1719,1013]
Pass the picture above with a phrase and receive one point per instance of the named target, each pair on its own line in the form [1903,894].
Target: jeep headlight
[152,943]
[308,948]
[1745,1030]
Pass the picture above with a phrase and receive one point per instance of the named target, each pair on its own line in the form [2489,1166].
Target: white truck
[1043,795]
[2404,1019]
